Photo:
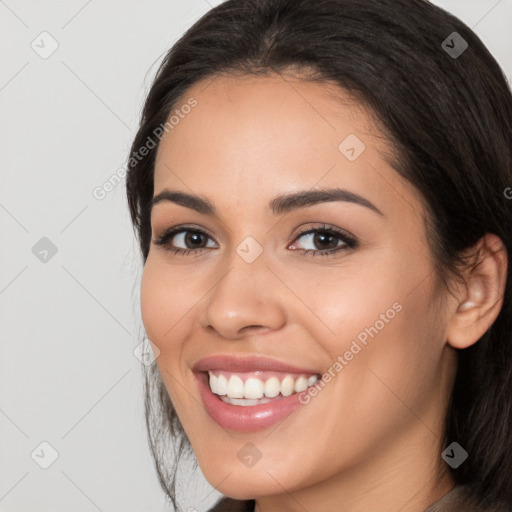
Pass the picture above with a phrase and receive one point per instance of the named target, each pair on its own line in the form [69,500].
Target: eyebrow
[279,205]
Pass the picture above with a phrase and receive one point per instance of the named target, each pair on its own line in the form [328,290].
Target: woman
[319,188]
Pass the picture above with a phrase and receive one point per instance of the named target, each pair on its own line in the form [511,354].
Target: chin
[238,482]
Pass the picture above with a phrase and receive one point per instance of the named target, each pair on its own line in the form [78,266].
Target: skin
[371,439]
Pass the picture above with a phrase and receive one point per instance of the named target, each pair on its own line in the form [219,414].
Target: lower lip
[245,418]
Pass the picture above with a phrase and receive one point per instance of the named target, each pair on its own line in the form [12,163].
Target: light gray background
[69,325]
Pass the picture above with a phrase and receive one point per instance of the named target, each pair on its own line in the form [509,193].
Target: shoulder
[231,505]
[459,498]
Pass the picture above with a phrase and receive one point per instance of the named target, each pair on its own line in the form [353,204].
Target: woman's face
[366,314]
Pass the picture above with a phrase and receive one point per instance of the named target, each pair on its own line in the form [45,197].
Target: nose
[247,299]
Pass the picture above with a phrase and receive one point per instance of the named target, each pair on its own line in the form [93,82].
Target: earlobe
[482,297]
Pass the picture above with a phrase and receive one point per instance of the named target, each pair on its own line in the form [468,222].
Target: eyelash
[349,241]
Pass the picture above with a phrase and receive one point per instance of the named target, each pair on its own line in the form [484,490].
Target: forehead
[255,99]
[262,133]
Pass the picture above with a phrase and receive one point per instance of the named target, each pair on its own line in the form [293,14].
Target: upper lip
[247,364]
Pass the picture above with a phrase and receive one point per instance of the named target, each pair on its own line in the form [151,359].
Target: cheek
[161,304]
[168,298]
[164,316]
[380,298]
[152,303]
[355,303]
[379,331]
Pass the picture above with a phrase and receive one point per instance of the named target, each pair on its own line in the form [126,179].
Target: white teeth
[244,401]
[255,391]
[272,387]
[235,387]
[287,385]
[301,384]
[222,385]
[214,383]
[253,388]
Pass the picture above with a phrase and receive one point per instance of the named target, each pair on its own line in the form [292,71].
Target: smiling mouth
[257,387]
[249,401]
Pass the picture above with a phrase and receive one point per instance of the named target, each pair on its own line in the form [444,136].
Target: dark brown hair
[448,117]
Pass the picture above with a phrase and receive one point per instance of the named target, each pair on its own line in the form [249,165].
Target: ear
[480,300]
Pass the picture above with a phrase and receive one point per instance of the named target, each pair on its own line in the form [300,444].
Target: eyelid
[314,227]
[183,227]
[348,240]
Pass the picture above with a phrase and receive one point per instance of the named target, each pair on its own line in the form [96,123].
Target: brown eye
[325,240]
[192,239]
